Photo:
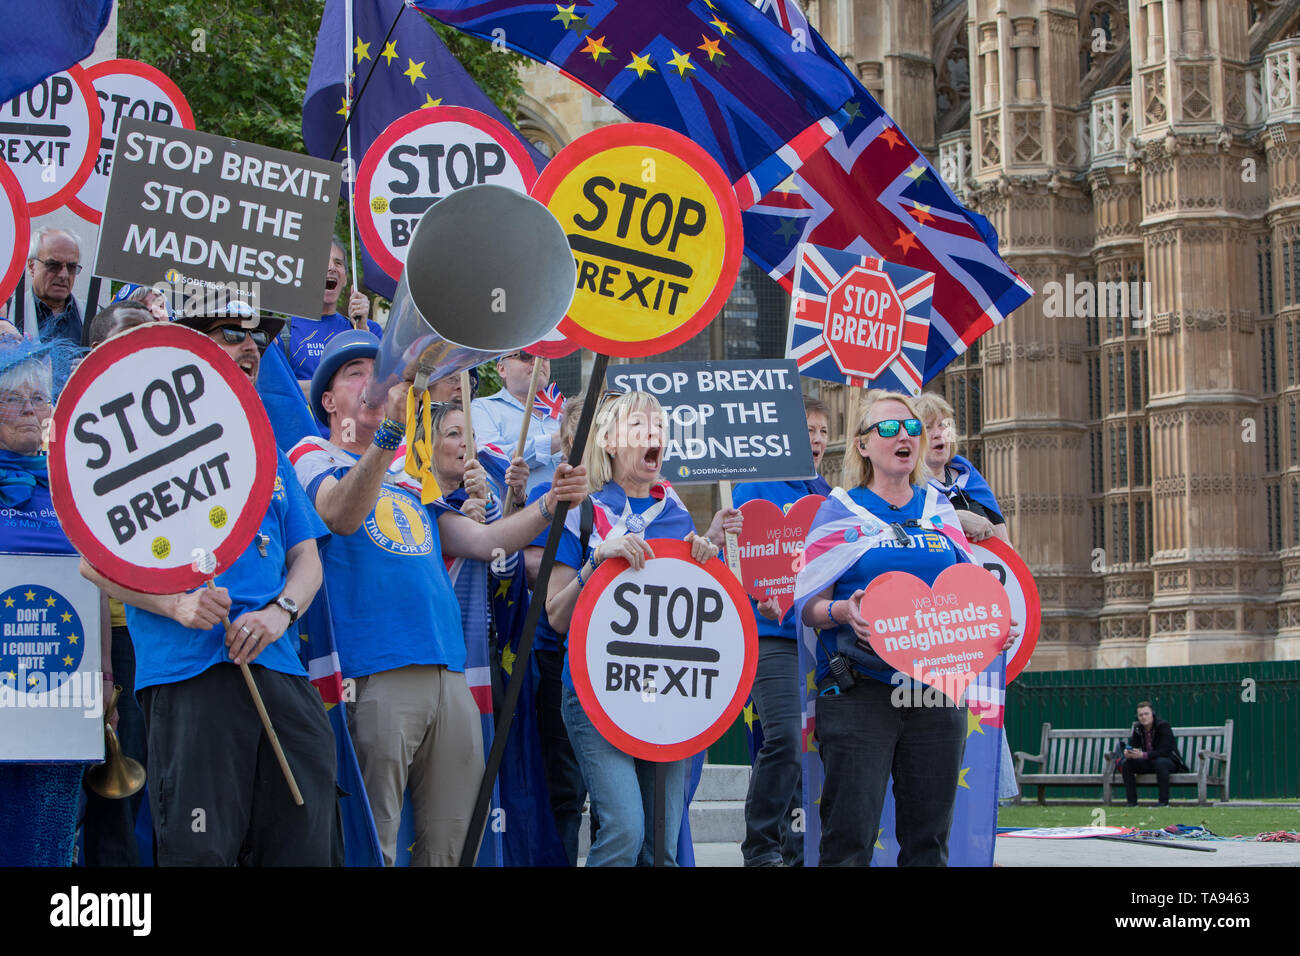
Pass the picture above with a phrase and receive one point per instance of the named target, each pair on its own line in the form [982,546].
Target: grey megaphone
[489,271]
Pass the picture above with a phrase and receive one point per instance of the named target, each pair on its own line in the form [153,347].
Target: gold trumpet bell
[118,776]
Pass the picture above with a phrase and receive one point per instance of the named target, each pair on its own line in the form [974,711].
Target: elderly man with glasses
[499,418]
[50,312]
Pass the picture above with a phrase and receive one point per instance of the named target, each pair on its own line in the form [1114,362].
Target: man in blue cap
[396,620]
[206,747]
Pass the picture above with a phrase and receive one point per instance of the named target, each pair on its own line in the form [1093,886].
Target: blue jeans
[623,788]
[776,782]
[863,740]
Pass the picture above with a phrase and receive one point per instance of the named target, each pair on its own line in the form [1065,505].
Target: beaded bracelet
[389,435]
[547,514]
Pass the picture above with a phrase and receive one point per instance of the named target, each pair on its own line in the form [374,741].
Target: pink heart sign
[771,547]
[943,635]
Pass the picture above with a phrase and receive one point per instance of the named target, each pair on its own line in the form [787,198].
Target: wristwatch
[289,606]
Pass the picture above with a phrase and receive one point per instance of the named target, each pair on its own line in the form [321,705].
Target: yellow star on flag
[921,213]
[343,110]
[916,171]
[879,845]
[67,616]
[361,50]
[49,601]
[430,101]
[13,675]
[710,47]
[565,14]
[503,587]
[9,602]
[507,659]
[961,779]
[812,685]
[749,715]
[641,64]
[31,681]
[30,595]
[709,4]
[414,70]
[683,62]
[721,27]
[390,53]
[73,638]
[596,47]
[67,659]
[973,723]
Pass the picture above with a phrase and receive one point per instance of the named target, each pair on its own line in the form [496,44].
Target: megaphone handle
[266,720]
[523,428]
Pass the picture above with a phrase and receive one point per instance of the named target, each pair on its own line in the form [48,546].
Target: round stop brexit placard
[1001,560]
[662,658]
[125,88]
[160,454]
[420,158]
[49,136]
[15,231]
[656,233]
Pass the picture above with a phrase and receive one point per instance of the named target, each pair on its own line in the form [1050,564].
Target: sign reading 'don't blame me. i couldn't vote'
[51,690]
[160,454]
[726,420]
[199,210]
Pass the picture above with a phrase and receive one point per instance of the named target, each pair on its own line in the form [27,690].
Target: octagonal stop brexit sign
[864,330]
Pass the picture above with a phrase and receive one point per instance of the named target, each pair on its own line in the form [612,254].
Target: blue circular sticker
[41,639]
[851,534]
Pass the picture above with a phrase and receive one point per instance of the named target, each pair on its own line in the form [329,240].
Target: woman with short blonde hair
[956,476]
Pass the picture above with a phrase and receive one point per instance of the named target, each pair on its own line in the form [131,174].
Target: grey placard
[209,215]
[732,421]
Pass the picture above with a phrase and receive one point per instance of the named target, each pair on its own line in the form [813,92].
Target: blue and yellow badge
[399,523]
[41,638]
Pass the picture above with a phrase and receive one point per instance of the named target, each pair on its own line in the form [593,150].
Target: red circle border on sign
[1033,609]
[650,136]
[407,123]
[22,231]
[144,71]
[670,549]
[95,129]
[101,556]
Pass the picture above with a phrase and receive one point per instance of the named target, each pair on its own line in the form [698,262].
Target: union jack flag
[816,273]
[549,402]
[871,192]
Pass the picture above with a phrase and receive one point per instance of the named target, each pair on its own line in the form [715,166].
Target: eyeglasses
[16,403]
[527,359]
[890,426]
[234,334]
[55,266]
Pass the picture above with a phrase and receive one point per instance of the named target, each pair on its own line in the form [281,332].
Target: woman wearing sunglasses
[900,523]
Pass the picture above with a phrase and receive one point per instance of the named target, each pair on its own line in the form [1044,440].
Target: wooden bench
[1080,758]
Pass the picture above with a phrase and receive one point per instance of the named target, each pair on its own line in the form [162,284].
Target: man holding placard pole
[219,798]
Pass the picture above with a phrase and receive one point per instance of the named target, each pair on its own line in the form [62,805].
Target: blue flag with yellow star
[716,71]
[414,69]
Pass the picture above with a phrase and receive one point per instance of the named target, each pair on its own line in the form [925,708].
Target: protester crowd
[413,591]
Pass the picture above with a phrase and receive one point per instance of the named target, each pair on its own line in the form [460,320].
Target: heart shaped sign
[943,635]
[771,545]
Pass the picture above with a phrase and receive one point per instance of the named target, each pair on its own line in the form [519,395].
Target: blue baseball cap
[339,351]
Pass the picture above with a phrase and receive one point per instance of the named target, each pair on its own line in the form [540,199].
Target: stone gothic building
[1138,418]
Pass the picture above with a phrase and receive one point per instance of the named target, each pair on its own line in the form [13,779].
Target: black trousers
[864,739]
[217,793]
[568,790]
[1162,767]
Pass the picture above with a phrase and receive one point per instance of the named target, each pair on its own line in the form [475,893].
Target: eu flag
[43,37]
[717,71]
[412,70]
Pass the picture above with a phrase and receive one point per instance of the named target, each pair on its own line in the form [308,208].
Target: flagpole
[347,130]
[479,817]
[374,61]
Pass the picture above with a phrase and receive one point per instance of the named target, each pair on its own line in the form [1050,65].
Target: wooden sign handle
[523,429]
[266,720]
[732,545]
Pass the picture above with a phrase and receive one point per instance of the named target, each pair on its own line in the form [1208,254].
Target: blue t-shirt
[167,651]
[667,524]
[782,494]
[33,527]
[931,552]
[392,600]
[307,339]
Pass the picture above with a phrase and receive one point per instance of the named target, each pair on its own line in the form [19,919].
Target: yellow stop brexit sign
[655,230]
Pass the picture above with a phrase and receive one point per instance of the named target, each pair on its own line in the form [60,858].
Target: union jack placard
[849,310]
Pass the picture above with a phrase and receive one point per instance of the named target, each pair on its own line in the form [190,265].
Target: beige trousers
[419,726]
